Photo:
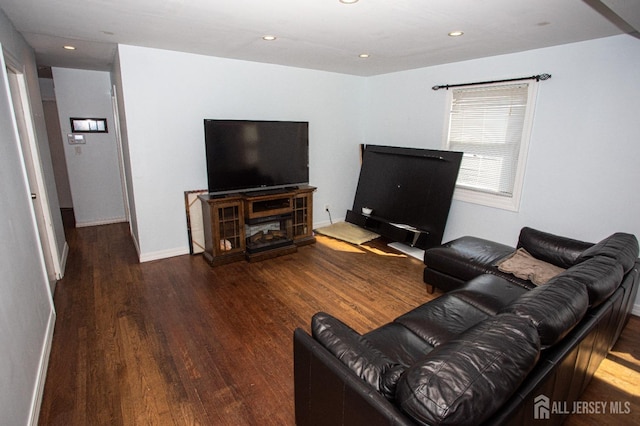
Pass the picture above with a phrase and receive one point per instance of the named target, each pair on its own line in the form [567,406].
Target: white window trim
[511,203]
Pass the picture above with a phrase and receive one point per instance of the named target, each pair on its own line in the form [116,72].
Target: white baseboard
[636,310]
[101,222]
[162,254]
[41,378]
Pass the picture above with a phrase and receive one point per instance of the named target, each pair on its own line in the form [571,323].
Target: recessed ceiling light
[69,47]
[348,1]
[363,55]
[269,37]
[455,33]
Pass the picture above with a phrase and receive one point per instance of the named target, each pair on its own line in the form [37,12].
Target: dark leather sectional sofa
[494,349]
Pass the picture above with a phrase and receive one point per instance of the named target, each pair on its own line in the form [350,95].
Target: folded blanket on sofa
[523,265]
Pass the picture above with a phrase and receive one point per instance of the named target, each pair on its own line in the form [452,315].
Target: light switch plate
[74,139]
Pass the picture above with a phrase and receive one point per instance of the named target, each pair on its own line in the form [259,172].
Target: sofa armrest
[357,353]
[327,392]
[555,249]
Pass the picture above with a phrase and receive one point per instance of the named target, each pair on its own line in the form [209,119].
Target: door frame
[33,168]
[121,163]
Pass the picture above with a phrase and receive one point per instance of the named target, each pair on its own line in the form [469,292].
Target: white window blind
[491,126]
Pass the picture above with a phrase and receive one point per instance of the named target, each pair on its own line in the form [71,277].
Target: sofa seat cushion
[357,353]
[524,266]
[441,319]
[398,343]
[600,275]
[467,379]
[619,246]
[466,257]
[489,293]
[554,308]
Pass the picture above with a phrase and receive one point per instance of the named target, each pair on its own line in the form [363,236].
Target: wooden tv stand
[256,225]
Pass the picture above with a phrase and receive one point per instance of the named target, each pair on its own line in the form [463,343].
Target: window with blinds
[491,125]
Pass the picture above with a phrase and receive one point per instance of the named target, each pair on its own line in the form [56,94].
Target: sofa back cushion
[554,308]
[442,318]
[600,275]
[619,246]
[465,380]
[357,353]
[554,249]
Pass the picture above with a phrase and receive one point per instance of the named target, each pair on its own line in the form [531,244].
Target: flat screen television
[250,155]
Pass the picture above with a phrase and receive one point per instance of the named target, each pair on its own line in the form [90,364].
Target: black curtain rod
[533,77]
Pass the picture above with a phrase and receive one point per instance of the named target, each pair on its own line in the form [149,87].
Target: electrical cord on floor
[330,220]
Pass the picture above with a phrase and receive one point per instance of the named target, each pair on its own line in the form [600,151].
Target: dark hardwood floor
[175,342]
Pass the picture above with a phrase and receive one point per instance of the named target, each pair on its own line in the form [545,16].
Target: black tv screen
[248,155]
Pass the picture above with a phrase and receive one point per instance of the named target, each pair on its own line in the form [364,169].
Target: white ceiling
[317,34]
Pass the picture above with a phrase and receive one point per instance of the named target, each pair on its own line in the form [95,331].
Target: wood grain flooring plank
[176,342]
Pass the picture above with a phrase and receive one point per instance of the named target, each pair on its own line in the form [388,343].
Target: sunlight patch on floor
[343,246]
[380,252]
[621,371]
[338,245]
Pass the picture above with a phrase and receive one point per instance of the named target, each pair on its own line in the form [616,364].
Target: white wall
[167,95]
[26,307]
[582,171]
[93,170]
[583,154]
